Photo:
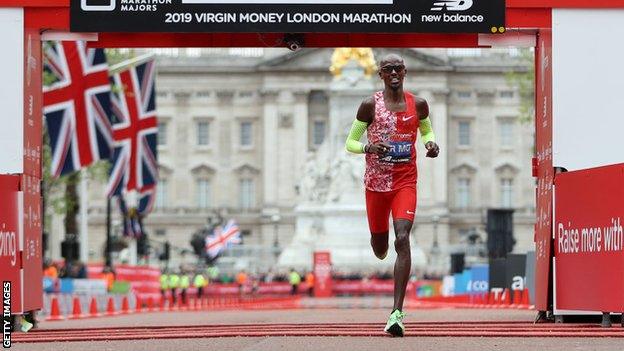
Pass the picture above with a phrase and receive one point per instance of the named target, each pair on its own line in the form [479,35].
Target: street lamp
[435,245]
[434,253]
[276,245]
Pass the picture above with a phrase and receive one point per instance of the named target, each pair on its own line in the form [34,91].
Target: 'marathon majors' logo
[293,2]
[97,5]
[451,5]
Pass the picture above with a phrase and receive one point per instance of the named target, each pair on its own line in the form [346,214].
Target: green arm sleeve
[426,131]
[353,143]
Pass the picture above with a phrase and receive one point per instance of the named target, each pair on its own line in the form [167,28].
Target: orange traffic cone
[110,307]
[139,303]
[150,304]
[93,308]
[507,297]
[490,299]
[125,308]
[55,311]
[517,297]
[525,298]
[76,309]
[171,304]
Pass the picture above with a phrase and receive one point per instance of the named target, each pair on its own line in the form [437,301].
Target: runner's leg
[378,213]
[403,211]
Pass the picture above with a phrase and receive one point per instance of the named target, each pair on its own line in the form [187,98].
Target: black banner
[289,16]
[497,274]
[515,272]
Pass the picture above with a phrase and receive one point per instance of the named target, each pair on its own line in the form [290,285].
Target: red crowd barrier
[507,299]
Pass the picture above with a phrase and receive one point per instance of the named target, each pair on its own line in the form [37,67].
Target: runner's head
[392,71]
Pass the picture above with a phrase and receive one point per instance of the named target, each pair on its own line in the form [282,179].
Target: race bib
[400,152]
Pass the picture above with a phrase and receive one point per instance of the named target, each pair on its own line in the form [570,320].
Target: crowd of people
[75,269]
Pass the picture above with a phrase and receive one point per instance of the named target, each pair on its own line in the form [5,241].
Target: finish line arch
[544,25]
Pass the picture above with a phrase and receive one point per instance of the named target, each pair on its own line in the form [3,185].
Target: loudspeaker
[457,263]
[500,232]
[70,250]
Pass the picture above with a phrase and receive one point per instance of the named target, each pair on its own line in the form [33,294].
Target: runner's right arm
[365,116]
[353,143]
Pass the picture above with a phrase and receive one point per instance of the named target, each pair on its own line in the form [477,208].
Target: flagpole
[124,65]
[107,251]
[84,237]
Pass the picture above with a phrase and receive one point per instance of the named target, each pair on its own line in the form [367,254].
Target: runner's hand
[432,149]
[379,148]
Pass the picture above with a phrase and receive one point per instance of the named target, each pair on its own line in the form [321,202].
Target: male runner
[391,118]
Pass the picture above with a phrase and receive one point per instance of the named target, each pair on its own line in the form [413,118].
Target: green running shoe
[26,326]
[395,325]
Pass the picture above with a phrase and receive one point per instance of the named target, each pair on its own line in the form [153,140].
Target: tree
[524,82]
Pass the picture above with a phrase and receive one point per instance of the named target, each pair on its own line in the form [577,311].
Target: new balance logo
[451,5]
[97,5]
[405,119]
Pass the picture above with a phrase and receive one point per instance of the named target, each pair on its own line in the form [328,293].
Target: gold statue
[364,57]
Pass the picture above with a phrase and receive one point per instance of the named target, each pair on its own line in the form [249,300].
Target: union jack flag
[77,106]
[133,218]
[134,131]
[222,238]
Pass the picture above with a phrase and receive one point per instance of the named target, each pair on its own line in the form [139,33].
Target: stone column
[223,122]
[270,135]
[438,109]
[301,121]
[182,133]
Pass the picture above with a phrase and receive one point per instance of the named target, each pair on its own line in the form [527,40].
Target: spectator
[81,270]
[294,279]
[164,284]
[109,277]
[241,280]
[174,283]
[50,270]
[213,273]
[200,282]
[185,283]
[309,278]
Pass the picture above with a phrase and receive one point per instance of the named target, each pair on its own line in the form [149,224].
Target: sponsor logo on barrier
[8,244]
[477,285]
[518,282]
[6,314]
[451,5]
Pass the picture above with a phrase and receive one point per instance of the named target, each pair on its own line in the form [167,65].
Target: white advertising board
[588,87]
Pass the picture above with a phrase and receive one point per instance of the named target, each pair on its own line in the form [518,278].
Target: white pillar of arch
[12,91]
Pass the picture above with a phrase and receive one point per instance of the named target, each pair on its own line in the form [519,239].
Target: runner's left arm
[426,130]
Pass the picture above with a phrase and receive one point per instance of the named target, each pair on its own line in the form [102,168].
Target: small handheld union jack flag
[135,129]
[77,106]
[222,238]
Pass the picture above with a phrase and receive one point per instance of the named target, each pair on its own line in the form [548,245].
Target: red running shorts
[401,202]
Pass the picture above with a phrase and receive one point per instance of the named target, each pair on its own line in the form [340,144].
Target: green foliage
[115,56]
[524,83]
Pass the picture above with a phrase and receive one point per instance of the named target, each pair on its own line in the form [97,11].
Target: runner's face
[392,73]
